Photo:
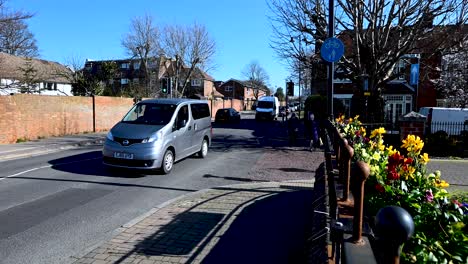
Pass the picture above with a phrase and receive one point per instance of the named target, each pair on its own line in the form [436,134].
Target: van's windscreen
[150,113]
[265,104]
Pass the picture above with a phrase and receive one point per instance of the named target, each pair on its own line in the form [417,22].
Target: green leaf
[457,258]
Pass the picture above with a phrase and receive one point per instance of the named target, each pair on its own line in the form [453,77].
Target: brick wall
[25,116]
[220,103]
[29,117]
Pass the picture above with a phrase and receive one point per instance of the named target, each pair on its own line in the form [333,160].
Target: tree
[376,33]
[189,47]
[280,94]
[453,80]
[143,42]
[7,16]
[29,80]
[15,37]
[256,76]
[82,84]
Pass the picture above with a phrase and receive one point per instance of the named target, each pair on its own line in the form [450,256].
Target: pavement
[269,219]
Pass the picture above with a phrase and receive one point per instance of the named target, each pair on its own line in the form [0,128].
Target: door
[183,131]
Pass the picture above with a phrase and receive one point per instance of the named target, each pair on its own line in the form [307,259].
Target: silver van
[156,133]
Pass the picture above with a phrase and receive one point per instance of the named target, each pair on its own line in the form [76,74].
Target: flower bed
[398,176]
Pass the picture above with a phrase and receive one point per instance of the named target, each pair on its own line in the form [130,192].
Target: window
[124,65]
[196,82]
[136,81]
[200,111]
[50,86]
[136,65]
[124,81]
[228,88]
[182,114]
[408,108]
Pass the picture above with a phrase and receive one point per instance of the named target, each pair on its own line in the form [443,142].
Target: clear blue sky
[67,29]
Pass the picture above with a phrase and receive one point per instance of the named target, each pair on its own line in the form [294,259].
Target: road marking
[43,167]
[8,151]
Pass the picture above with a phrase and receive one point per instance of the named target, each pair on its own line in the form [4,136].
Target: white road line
[43,167]
[8,151]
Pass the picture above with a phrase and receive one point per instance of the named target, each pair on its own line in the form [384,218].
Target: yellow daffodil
[378,132]
[381,147]
[413,144]
[424,158]
[391,151]
[362,131]
[441,183]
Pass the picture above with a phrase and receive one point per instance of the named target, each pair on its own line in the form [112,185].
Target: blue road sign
[332,49]
[414,77]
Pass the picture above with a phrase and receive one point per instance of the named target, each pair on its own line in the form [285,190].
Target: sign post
[332,50]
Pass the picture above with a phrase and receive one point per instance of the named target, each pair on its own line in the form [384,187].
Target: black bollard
[394,226]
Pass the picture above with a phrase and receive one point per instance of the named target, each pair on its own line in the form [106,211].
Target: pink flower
[429,196]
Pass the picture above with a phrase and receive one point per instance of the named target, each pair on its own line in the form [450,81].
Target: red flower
[379,188]
[393,175]
[408,161]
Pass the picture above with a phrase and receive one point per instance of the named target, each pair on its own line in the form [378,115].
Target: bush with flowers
[399,177]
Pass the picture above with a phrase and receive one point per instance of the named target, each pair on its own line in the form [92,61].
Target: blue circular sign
[332,50]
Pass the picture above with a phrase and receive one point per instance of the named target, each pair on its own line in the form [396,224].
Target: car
[227,115]
[156,133]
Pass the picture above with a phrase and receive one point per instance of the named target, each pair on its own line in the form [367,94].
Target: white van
[450,120]
[267,108]
[156,133]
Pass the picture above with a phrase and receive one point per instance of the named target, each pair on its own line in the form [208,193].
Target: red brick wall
[32,116]
[110,110]
[220,103]
[411,128]
[29,117]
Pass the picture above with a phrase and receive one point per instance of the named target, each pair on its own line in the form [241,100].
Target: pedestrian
[314,130]
[293,127]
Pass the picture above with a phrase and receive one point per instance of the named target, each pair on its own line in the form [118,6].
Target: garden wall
[28,117]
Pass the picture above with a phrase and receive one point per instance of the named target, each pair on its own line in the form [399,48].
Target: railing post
[394,225]
[362,175]
[347,154]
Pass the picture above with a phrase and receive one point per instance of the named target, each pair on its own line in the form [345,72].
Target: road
[58,205]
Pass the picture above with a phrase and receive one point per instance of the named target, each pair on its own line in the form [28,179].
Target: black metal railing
[451,128]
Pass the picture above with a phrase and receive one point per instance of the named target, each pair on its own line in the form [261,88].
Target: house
[29,75]
[127,76]
[242,90]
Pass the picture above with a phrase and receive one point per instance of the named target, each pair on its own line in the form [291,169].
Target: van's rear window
[150,113]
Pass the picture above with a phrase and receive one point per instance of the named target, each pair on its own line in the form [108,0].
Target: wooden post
[362,175]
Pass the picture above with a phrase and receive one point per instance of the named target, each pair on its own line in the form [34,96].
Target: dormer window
[196,82]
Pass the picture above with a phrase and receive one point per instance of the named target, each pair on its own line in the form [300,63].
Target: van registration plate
[123,155]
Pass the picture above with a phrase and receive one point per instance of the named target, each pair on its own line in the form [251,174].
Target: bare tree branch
[191,47]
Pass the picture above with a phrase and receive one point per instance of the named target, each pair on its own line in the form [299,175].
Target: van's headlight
[110,136]
[153,138]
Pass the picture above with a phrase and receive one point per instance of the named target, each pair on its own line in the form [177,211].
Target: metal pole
[331,65]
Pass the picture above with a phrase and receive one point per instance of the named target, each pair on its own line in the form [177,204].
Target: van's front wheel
[167,162]
[204,149]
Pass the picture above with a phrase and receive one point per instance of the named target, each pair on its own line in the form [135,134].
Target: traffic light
[165,85]
[290,88]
